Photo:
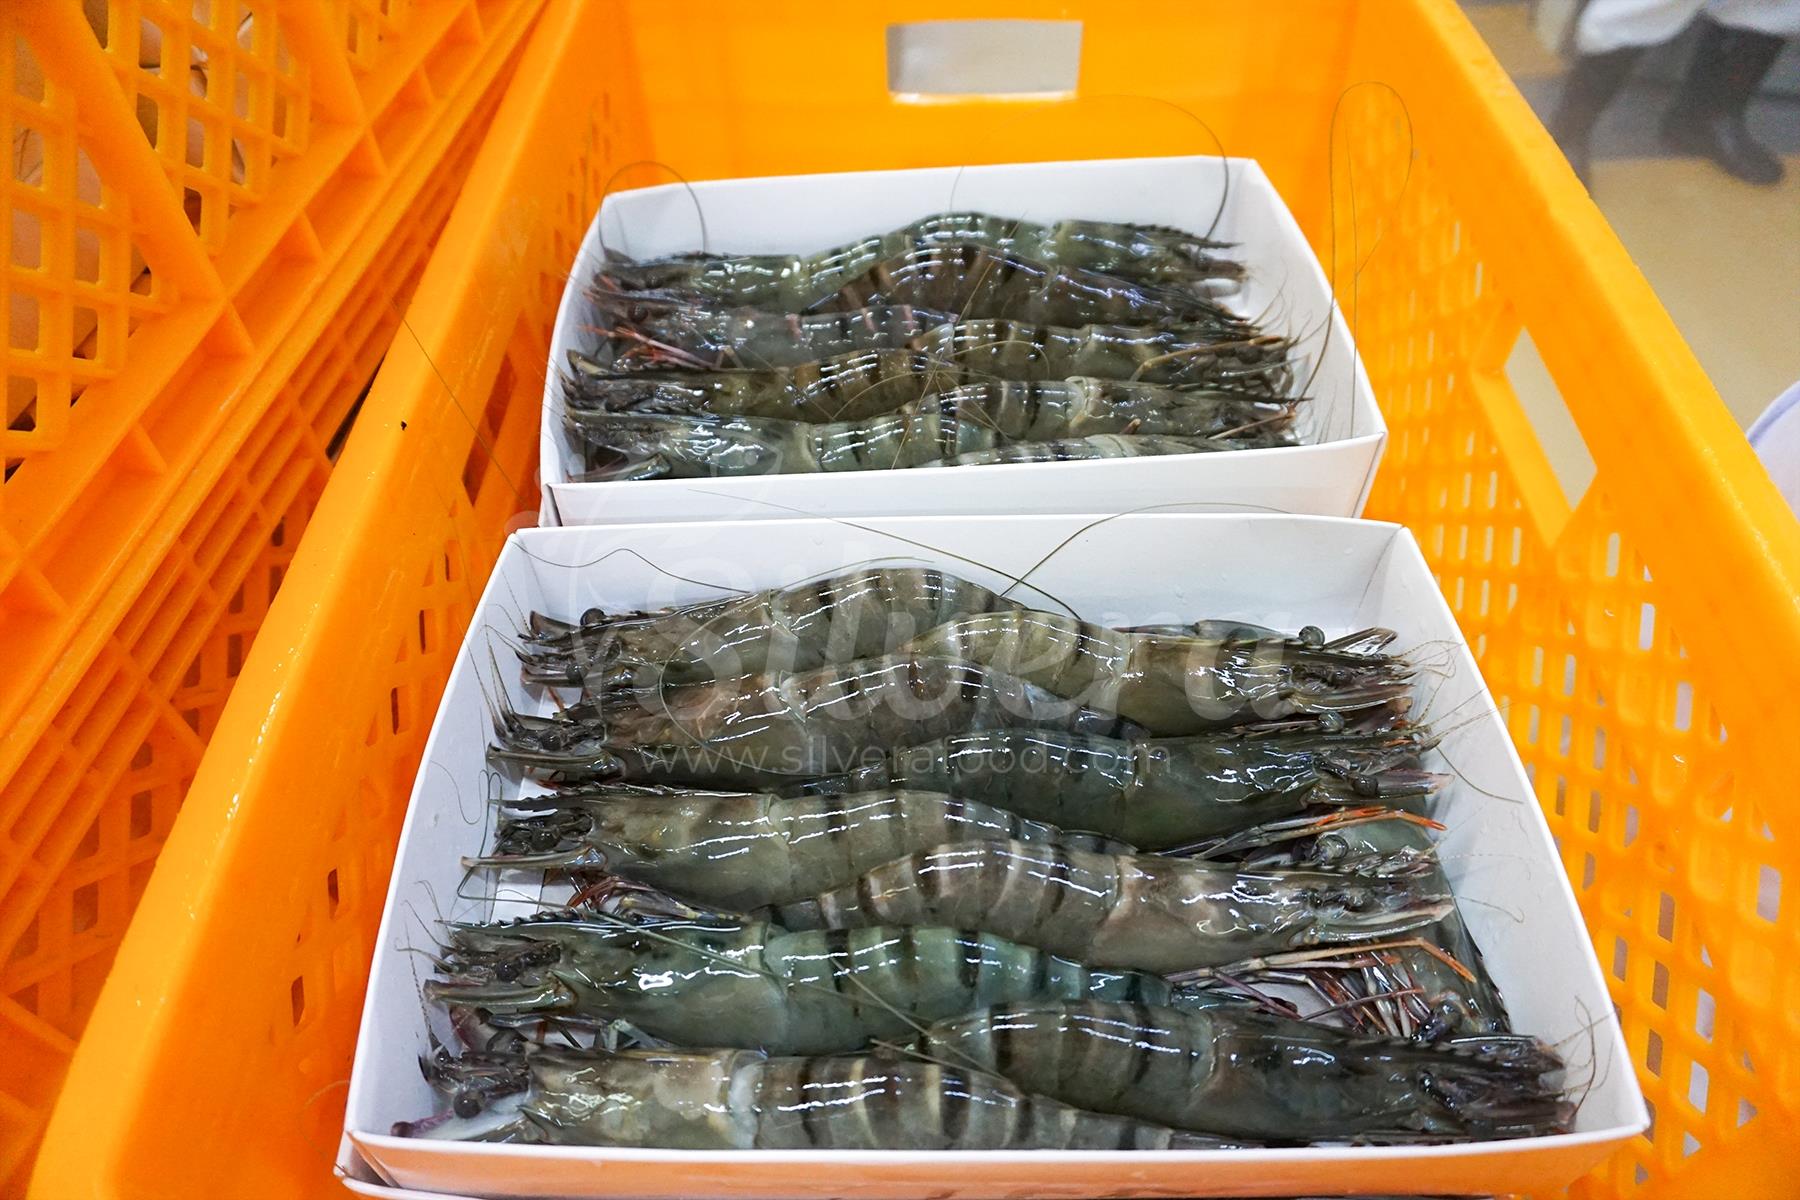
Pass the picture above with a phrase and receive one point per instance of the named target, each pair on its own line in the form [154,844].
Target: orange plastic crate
[216,1059]
[213,214]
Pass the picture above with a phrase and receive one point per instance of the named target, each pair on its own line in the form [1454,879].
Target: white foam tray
[1342,425]
[1146,568]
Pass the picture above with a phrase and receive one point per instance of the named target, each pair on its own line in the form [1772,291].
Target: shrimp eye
[466,1103]
[507,971]
[544,839]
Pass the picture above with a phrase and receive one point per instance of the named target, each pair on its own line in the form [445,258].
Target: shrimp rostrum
[744,1100]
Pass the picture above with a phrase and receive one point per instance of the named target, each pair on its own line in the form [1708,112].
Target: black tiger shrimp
[790,282]
[1173,685]
[1176,355]
[840,618]
[1240,1073]
[744,850]
[1008,420]
[976,280]
[1162,792]
[941,431]
[745,1100]
[845,387]
[778,726]
[752,985]
[1145,912]
[642,334]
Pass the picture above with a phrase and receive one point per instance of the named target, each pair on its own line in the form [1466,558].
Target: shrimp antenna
[612,181]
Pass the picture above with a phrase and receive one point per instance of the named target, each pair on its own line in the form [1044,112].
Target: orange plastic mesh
[1466,230]
[94,772]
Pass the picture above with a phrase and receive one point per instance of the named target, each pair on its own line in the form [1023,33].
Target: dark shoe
[1591,86]
[1707,118]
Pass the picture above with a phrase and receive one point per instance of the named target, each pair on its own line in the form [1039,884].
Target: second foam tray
[1340,424]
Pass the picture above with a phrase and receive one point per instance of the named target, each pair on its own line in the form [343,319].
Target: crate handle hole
[1036,59]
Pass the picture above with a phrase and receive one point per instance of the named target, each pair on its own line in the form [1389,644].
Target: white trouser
[1615,24]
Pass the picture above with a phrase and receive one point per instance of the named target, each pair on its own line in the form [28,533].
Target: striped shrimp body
[641,336]
[782,724]
[1086,449]
[748,850]
[1144,912]
[1163,792]
[789,282]
[1240,1073]
[981,281]
[958,427]
[744,1100]
[846,387]
[856,614]
[1176,355]
[752,985]
[1176,685]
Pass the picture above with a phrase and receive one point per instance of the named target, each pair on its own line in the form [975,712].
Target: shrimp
[848,616]
[980,281]
[638,334]
[1145,912]
[747,850]
[1240,1073]
[744,1100]
[1176,685]
[1454,997]
[1178,355]
[755,986]
[1163,792]
[847,387]
[1099,445]
[790,281]
[776,726]
[951,427]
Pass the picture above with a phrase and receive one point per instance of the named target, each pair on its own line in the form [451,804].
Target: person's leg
[1739,42]
[1610,37]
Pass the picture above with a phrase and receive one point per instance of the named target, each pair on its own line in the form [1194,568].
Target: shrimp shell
[747,850]
[855,614]
[1178,355]
[1162,792]
[1174,685]
[981,281]
[846,387]
[641,335]
[961,426]
[743,1100]
[790,281]
[756,986]
[1145,912]
[1241,1073]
